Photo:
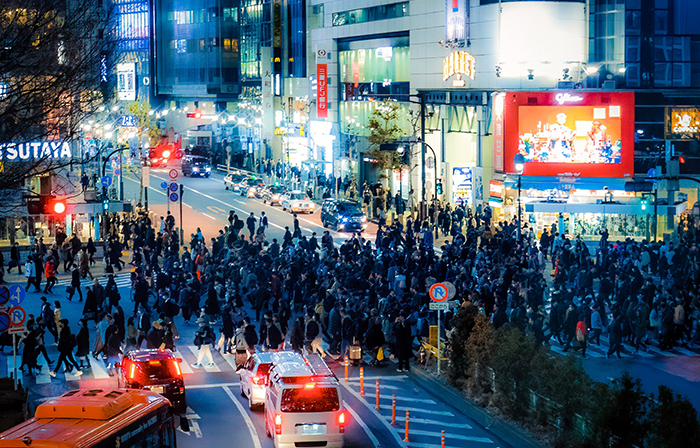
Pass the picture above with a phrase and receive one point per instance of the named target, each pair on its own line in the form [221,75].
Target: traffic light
[46,204]
[57,206]
[645,201]
[438,187]
[196,114]
[105,205]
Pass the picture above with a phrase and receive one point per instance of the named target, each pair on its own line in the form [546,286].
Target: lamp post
[519,163]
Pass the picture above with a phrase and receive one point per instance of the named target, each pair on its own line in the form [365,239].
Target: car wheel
[267,428]
[251,406]
[207,175]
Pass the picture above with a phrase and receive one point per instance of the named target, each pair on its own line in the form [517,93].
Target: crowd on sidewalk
[306,293]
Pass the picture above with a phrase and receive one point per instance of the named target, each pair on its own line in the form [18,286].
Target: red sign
[322,90]
[572,134]
[495,189]
[173,173]
[498,130]
[356,74]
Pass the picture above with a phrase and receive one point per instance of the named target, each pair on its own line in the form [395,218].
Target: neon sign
[562,98]
[458,63]
[35,151]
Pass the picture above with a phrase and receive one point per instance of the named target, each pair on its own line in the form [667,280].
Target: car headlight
[344,219]
[209,169]
[195,169]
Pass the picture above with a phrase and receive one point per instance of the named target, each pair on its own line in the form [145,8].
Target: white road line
[209,216]
[231,360]
[246,417]
[195,351]
[425,421]
[43,377]
[363,425]
[391,430]
[399,397]
[449,436]
[425,411]
[184,365]
[212,386]
[380,377]
[99,371]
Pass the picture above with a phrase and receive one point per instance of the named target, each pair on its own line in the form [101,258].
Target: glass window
[371,14]
[661,22]
[315,399]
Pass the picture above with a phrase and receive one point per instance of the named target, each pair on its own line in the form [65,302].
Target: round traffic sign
[164,185]
[17,294]
[173,173]
[438,292]
[117,172]
[173,186]
[4,295]
[451,290]
[4,321]
[17,316]
[173,197]
[106,181]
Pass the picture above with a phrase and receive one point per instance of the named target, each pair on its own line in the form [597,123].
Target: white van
[304,405]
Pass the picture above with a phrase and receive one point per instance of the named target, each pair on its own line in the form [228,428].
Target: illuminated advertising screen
[580,134]
[462,183]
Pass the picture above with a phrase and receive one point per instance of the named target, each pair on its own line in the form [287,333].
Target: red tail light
[176,366]
[341,422]
[132,371]
[258,380]
[278,424]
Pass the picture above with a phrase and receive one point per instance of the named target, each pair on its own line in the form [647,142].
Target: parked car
[196,166]
[296,202]
[252,187]
[273,194]
[232,181]
[155,370]
[343,214]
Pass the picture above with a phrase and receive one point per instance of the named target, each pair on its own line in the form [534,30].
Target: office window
[371,14]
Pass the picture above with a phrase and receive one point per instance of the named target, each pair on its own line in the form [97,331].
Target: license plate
[313,429]
[156,389]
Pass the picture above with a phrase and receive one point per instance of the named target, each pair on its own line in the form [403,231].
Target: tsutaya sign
[458,63]
[35,151]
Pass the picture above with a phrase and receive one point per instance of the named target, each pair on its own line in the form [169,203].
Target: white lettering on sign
[562,98]
[458,63]
[35,151]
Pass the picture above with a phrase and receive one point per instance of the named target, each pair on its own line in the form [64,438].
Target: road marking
[246,417]
[391,430]
[426,411]
[209,216]
[212,386]
[362,424]
[190,414]
[380,377]
[231,360]
[426,421]
[450,436]
[399,397]
[43,377]
[99,370]
[217,209]
[195,350]
[184,365]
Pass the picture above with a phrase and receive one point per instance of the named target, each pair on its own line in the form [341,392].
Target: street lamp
[519,163]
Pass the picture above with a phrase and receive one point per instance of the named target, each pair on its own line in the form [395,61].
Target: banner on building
[498,136]
[456,20]
[322,90]
[462,185]
[126,81]
[682,123]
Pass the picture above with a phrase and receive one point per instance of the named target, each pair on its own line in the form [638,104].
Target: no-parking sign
[438,292]
[17,316]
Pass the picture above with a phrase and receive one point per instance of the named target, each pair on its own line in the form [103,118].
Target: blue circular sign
[4,295]
[106,181]
[118,172]
[173,197]
[173,186]
[164,185]
[4,321]
[17,294]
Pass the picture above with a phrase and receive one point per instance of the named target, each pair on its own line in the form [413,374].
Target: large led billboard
[577,133]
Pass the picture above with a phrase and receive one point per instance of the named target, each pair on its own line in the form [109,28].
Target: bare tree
[53,55]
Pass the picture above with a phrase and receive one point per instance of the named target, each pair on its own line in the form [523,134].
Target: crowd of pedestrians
[246,293]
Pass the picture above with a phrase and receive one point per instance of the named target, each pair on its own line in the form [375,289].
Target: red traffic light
[196,114]
[55,207]
[681,159]
[59,207]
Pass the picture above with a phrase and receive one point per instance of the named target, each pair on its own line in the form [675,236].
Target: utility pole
[182,230]
[422,156]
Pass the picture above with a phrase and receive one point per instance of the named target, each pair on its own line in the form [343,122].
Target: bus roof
[81,418]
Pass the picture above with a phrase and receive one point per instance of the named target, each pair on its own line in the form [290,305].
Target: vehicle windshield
[158,370]
[352,210]
[296,196]
[314,399]
[199,161]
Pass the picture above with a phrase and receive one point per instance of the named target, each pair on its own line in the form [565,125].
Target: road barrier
[378,395]
[362,381]
[347,362]
[406,439]
[393,409]
[442,439]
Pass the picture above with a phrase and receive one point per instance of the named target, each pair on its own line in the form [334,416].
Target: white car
[254,378]
[297,202]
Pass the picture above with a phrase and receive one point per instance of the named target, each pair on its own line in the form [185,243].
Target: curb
[512,435]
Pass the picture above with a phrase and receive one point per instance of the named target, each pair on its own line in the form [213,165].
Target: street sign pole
[182,230]
[14,359]
[438,343]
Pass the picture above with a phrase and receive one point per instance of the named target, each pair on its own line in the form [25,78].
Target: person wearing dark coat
[211,305]
[29,352]
[274,336]
[251,337]
[374,339]
[297,336]
[90,307]
[83,340]
[65,348]
[402,336]
[228,331]
[154,339]
[75,284]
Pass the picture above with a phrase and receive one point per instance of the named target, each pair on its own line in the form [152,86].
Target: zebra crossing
[427,418]
[122,279]
[600,351]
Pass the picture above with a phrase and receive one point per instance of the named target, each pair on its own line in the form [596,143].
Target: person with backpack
[66,342]
[203,339]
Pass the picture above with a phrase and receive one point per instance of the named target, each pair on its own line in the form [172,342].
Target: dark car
[196,166]
[273,194]
[155,370]
[343,214]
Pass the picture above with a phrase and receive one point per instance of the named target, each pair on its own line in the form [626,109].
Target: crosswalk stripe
[231,360]
[425,421]
[684,351]
[99,370]
[43,377]
[399,397]
[184,365]
[195,351]
[450,436]
[72,376]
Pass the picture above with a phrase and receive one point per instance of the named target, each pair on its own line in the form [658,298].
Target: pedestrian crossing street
[427,417]
[599,351]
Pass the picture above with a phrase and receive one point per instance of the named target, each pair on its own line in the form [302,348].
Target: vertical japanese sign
[457,20]
[322,90]
[356,74]
[498,138]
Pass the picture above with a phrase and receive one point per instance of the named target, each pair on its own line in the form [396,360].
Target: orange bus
[97,418]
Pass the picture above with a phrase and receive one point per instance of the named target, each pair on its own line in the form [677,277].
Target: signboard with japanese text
[456,20]
[322,90]
[498,130]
